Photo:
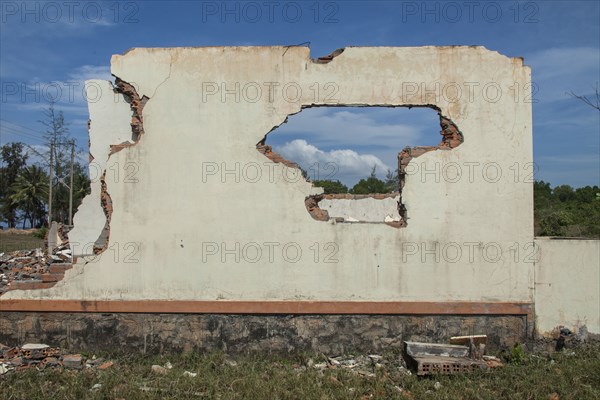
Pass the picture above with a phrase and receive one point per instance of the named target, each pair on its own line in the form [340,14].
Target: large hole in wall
[358,155]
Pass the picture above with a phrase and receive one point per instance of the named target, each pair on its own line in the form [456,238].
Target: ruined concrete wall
[567,285]
[330,334]
[183,229]
[109,124]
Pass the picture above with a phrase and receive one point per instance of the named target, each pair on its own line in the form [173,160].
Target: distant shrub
[41,233]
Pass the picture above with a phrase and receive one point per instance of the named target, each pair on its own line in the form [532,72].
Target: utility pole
[50,185]
[71,185]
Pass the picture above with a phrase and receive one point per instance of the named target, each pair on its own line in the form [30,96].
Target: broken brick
[51,362]
[106,365]
[74,361]
[51,277]
[59,268]
[10,353]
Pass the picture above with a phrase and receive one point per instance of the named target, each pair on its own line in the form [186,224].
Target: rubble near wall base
[329,334]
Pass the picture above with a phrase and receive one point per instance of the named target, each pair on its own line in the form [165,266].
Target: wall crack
[136,103]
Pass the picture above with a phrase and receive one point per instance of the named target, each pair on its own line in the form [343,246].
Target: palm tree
[81,184]
[29,193]
[60,201]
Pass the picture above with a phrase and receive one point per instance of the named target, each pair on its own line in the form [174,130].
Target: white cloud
[353,139]
[351,128]
[86,72]
[345,165]
[69,94]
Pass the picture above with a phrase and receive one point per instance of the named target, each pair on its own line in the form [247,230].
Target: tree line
[560,211]
[565,211]
[25,187]
[372,184]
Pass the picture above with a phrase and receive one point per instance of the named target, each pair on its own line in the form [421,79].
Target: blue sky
[68,42]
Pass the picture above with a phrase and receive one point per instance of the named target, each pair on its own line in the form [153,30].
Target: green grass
[21,241]
[574,377]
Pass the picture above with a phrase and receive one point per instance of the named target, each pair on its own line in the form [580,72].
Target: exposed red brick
[107,207]
[59,268]
[275,157]
[136,104]
[51,277]
[30,285]
[312,205]
[106,365]
[10,353]
[327,59]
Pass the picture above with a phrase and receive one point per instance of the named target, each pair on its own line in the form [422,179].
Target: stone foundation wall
[330,334]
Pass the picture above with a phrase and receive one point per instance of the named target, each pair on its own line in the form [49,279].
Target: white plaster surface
[363,210]
[567,284]
[180,230]
[110,117]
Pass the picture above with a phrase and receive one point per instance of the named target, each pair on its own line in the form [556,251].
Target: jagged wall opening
[136,104]
[340,206]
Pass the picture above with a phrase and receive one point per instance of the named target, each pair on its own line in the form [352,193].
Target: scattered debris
[34,269]
[433,358]
[231,363]
[190,374]
[73,361]
[375,358]
[333,361]
[565,336]
[51,362]
[565,331]
[34,346]
[359,365]
[97,386]
[476,343]
[41,356]
[465,340]
[493,362]
[159,370]
[106,365]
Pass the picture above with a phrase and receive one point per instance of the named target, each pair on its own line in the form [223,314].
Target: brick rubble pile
[33,269]
[41,356]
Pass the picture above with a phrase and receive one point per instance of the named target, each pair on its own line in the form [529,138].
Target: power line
[22,134]
[54,140]
[20,127]
[19,131]
[32,134]
[15,132]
